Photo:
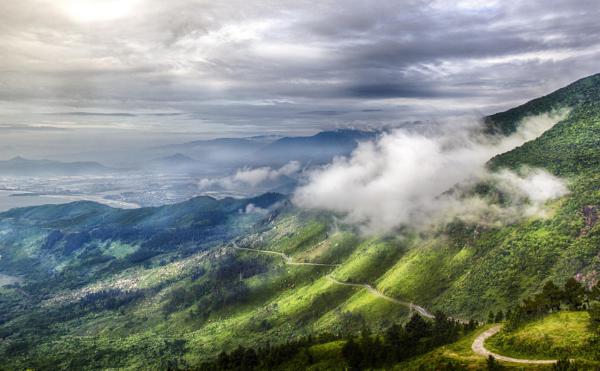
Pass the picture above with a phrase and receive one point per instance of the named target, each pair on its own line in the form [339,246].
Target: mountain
[273,150]
[570,148]
[321,147]
[186,286]
[19,166]
[228,151]
[582,93]
[174,163]
[72,234]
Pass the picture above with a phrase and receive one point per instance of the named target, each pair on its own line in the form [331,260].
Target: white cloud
[259,175]
[253,209]
[252,177]
[401,178]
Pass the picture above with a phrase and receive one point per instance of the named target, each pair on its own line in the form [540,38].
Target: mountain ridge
[22,166]
[166,287]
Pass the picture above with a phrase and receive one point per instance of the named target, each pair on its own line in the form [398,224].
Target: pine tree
[416,327]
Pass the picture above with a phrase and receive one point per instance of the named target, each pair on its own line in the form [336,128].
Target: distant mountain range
[19,166]
[270,150]
[221,155]
[321,147]
[171,163]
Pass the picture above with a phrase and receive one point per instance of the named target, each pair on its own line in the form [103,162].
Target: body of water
[8,202]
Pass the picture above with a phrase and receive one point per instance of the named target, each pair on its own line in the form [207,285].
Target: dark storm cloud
[267,65]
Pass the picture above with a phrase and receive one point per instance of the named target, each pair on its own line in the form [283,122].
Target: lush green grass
[458,353]
[362,308]
[425,271]
[333,250]
[370,260]
[562,334]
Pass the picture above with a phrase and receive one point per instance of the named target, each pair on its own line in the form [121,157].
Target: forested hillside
[177,285]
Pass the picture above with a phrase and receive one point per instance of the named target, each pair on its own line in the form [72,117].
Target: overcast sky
[98,73]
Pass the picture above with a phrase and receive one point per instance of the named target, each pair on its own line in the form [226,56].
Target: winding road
[289,261]
[286,258]
[422,311]
[478,347]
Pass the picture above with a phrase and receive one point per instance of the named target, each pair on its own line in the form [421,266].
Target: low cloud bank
[251,177]
[403,178]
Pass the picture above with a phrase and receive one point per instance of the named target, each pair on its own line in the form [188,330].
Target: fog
[251,180]
[403,178]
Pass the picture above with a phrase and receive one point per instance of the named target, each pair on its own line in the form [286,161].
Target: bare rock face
[590,217]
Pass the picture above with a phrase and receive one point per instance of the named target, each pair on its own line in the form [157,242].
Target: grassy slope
[459,354]
[553,336]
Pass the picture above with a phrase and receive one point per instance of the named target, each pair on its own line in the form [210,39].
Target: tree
[594,321]
[573,293]
[223,361]
[492,364]
[353,354]
[416,327]
[491,317]
[397,340]
[594,293]
[236,358]
[499,316]
[472,325]
[444,329]
[552,296]
[250,360]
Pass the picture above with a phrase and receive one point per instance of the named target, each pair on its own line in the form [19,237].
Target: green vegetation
[457,355]
[562,334]
[397,343]
[164,287]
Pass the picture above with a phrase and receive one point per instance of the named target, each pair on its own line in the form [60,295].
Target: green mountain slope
[583,92]
[173,286]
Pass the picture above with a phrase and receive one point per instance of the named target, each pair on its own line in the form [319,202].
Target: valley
[191,284]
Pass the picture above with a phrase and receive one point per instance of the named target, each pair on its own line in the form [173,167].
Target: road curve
[478,347]
[286,258]
[289,261]
[422,311]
